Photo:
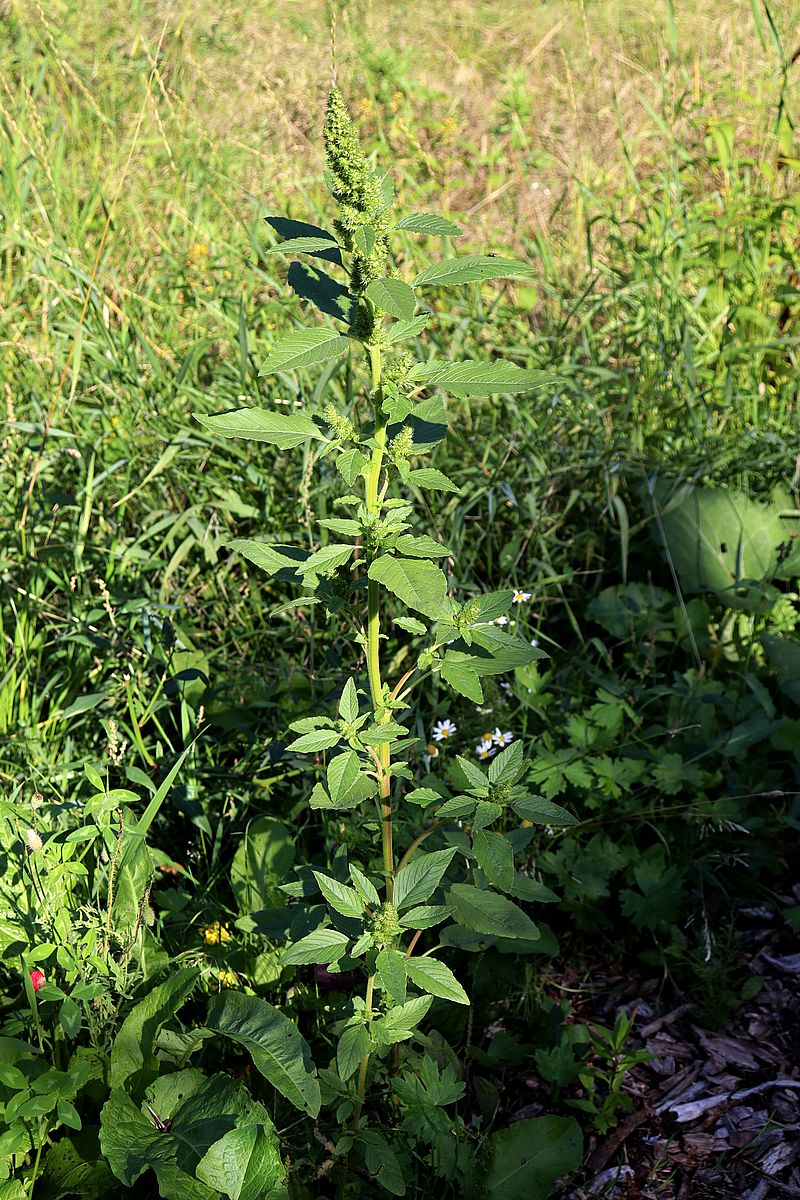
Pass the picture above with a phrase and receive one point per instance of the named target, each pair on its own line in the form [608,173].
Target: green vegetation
[626,181]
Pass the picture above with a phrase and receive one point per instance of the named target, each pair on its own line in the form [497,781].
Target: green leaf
[319,946]
[509,765]
[381,1162]
[364,239]
[133,1061]
[329,296]
[429,223]
[347,784]
[305,245]
[343,899]
[542,812]
[405,329]
[284,430]
[495,857]
[245,1163]
[462,677]
[419,879]
[432,480]
[421,547]
[73,1167]
[287,227]
[529,1156]
[472,267]
[350,464]
[475,780]
[392,296]
[418,583]
[348,702]
[303,348]
[434,977]
[275,1044]
[262,862]
[364,886]
[487,912]
[320,739]
[425,917]
[342,525]
[202,1112]
[353,1045]
[326,560]
[400,1021]
[718,538]
[410,624]
[479,379]
[272,559]
[392,967]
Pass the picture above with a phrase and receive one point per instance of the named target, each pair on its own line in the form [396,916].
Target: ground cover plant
[173,850]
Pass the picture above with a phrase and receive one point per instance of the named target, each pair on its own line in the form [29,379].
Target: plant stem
[362,1070]
[418,840]
[374,505]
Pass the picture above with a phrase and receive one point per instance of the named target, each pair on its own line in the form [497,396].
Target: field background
[640,155]
[645,158]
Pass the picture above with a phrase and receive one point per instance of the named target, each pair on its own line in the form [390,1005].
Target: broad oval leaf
[275,1044]
[353,1045]
[343,899]
[489,913]
[495,857]
[393,296]
[133,1061]
[304,245]
[529,1156]
[418,583]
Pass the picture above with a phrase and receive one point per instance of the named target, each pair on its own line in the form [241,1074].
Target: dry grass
[513,113]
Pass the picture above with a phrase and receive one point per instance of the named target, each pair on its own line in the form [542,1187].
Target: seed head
[33,840]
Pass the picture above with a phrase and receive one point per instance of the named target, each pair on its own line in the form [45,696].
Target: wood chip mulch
[715,1113]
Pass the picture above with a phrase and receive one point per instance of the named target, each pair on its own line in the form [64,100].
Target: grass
[642,159]
[645,159]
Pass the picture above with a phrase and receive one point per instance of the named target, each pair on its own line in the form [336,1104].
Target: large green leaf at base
[133,1062]
[276,1046]
[418,583]
[717,539]
[284,430]
[204,1113]
[529,1156]
[261,863]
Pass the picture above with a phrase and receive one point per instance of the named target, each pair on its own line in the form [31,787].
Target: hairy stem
[374,505]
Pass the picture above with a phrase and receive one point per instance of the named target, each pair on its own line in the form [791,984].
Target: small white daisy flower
[443,729]
[485,750]
[502,739]
[483,711]
[534,642]
[521,597]
[501,620]
[433,750]
[505,687]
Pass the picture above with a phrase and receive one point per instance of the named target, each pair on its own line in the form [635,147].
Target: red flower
[37,979]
